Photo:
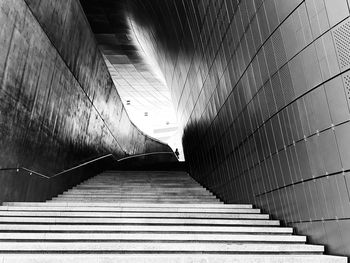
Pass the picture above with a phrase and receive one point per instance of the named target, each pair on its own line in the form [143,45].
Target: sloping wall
[58,105]
[262,90]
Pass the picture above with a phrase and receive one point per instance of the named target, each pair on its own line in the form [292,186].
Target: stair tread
[196,221]
[158,246]
[152,236]
[126,204]
[170,258]
[132,209]
[146,228]
[134,214]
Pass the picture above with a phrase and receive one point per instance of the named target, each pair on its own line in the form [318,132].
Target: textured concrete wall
[58,105]
[262,89]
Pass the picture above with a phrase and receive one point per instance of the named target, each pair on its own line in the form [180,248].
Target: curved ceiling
[137,78]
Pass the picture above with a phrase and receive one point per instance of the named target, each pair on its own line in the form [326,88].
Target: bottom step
[157,247]
[169,258]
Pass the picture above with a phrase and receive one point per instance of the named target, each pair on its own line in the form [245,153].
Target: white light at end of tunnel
[155,117]
[140,42]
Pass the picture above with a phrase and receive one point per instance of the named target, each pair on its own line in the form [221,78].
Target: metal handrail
[31,172]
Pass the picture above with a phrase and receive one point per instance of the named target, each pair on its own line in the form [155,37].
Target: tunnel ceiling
[144,94]
[108,22]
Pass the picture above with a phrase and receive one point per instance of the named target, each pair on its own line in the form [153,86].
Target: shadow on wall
[58,105]
[23,185]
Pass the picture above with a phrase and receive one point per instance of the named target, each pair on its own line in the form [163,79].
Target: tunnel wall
[58,105]
[262,89]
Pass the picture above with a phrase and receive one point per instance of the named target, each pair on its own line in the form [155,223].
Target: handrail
[31,172]
[83,164]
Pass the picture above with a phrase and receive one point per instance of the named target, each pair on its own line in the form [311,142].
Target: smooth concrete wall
[58,105]
[262,90]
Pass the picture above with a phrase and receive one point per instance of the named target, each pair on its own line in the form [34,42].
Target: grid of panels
[262,90]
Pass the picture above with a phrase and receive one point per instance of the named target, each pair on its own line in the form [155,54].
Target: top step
[103,204]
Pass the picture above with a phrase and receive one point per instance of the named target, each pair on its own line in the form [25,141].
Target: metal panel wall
[58,105]
[262,89]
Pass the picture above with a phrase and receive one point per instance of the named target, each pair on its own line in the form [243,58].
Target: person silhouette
[177,153]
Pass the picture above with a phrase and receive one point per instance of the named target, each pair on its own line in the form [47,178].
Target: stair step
[84,193]
[146,228]
[188,199]
[143,190]
[140,200]
[151,184]
[134,188]
[135,196]
[127,200]
[185,184]
[147,191]
[169,258]
[122,247]
[130,184]
[142,178]
[132,209]
[102,204]
[144,194]
[75,192]
[141,186]
[161,221]
[140,189]
[152,237]
[127,215]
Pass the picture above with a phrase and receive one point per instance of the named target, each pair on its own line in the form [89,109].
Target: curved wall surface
[262,89]
[58,105]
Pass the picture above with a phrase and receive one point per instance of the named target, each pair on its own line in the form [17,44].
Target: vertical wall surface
[263,90]
[58,105]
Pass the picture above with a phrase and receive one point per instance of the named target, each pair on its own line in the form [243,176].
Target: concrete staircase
[146,217]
